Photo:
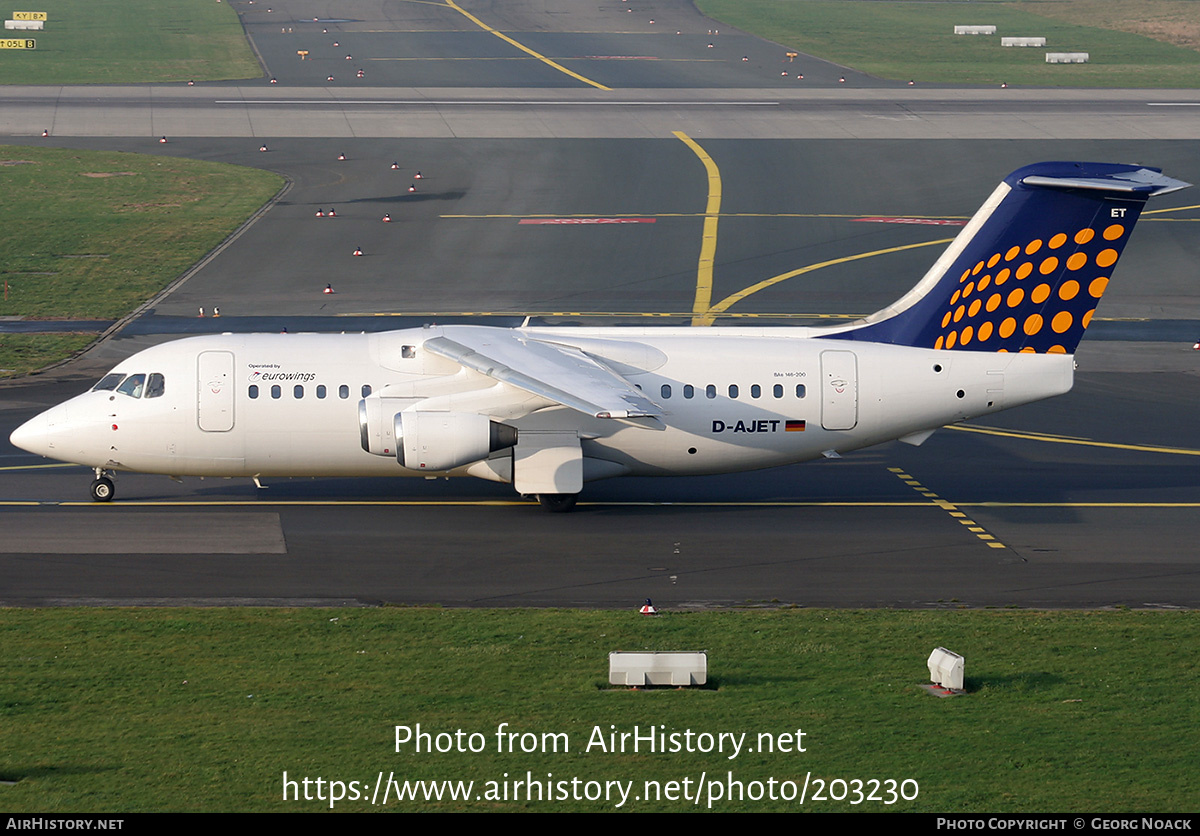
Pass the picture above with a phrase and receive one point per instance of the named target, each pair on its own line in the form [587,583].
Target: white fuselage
[733,399]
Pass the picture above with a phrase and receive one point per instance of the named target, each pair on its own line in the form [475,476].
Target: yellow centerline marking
[452,502]
[708,241]
[504,503]
[1174,209]
[654,314]
[522,47]
[734,298]
[1079,504]
[563,58]
[38,466]
[1083,442]
[645,314]
[688,215]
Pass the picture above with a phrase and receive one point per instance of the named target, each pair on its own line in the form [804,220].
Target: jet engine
[429,440]
[439,441]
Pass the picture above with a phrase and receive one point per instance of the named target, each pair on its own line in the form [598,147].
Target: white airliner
[993,324]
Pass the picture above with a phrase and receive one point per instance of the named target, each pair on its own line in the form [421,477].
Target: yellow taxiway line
[734,298]
[1083,442]
[522,47]
[708,239]
[939,504]
[608,314]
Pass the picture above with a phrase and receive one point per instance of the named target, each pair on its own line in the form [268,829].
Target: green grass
[91,234]
[902,40]
[132,41]
[134,710]
[24,353]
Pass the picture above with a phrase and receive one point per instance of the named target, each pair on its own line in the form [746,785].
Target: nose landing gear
[103,489]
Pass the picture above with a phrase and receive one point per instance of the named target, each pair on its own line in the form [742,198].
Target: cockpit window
[133,385]
[109,382]
[156,386]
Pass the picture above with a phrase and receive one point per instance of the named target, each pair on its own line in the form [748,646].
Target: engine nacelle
[439,441]
[376,425]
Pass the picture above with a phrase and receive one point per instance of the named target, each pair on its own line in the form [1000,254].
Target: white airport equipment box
[946,669]
[1022,42]
[1067,57]
[974,30]
[657,668]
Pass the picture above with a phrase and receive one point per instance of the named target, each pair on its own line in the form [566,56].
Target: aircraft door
[214,379]
[839,390]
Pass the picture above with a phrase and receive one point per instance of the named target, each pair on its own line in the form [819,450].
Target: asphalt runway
[1091,499]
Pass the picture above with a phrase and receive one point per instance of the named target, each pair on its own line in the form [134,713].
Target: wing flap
[558,372]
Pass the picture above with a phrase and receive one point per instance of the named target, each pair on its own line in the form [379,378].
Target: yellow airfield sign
[18,43]
[30,16]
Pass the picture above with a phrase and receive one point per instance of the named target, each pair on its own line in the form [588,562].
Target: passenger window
[710,391]
[253,391]
[366,390]
[156,386]
[298,391]
[777,391]
[756,391]
[733,390]
[800,390]
[109,382]
[133,385]
[666,390]
[276,391]
[343,391]
[688,390]
[321,391]
[408,352]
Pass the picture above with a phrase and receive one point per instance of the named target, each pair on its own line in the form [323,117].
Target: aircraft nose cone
[31,436]
[37,434]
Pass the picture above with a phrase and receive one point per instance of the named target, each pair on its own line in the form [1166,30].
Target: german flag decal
[794,426]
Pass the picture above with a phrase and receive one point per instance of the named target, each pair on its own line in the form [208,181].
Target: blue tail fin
[1028,270]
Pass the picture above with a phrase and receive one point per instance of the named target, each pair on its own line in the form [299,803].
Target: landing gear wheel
[103,489]
[557,503]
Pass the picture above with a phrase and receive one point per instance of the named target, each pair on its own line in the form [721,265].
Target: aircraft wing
[558,372]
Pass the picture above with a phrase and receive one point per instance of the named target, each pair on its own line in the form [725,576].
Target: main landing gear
[103,489]
[557,503]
